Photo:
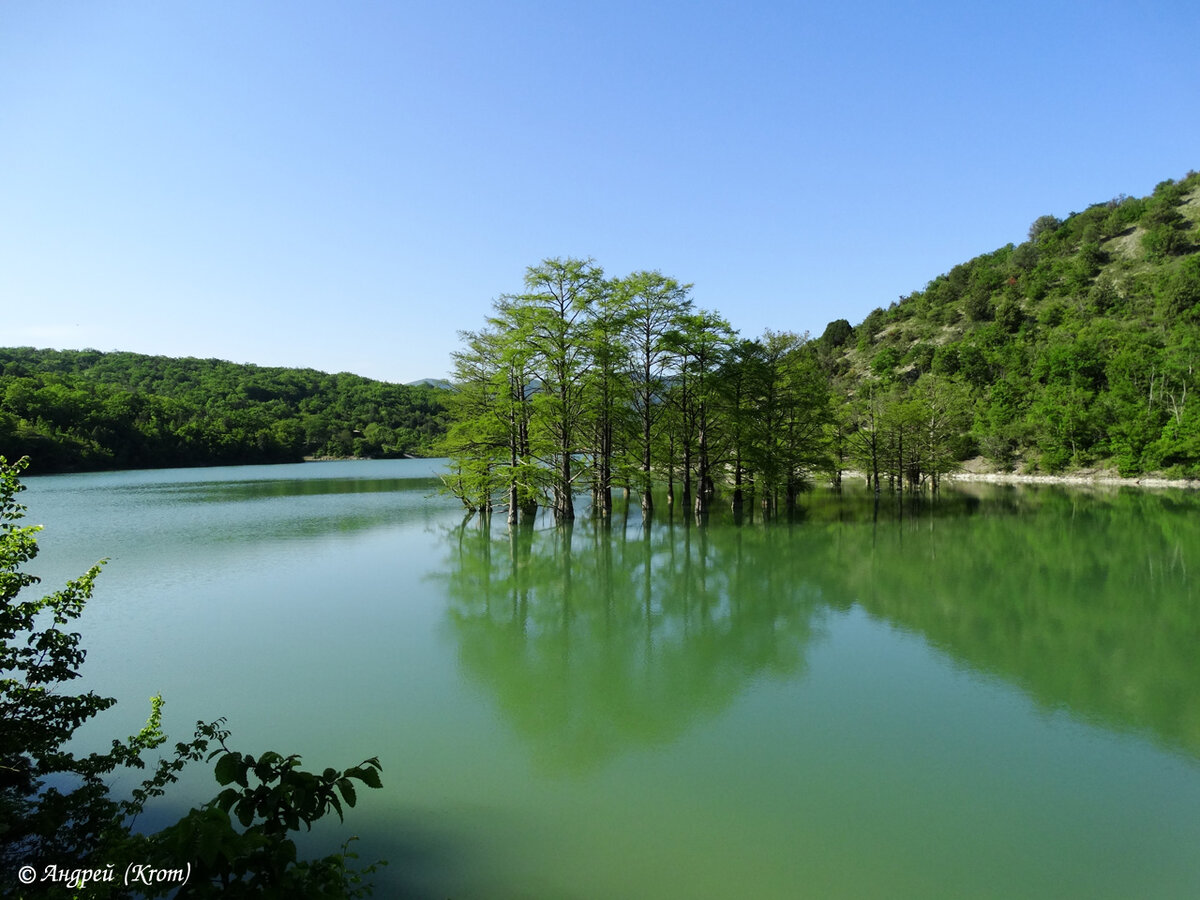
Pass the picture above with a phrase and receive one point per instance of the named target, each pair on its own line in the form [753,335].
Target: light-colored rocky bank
[978,469]
[1085,478]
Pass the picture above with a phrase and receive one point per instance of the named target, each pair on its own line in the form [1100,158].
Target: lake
[996,694]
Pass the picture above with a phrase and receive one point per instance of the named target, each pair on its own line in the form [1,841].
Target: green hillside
[74,410]
[1077,348]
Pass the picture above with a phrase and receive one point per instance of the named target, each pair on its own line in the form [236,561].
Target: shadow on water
[421,859]
[593,639]
[422,849]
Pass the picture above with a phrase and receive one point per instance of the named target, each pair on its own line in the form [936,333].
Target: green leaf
[226,799]
[210,835]
[346,786]
[227,768]
[245,811]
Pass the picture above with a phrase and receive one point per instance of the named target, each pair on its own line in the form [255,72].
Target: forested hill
[1077,348]
[73,410]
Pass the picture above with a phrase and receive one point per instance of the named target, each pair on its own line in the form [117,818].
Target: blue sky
[346,185]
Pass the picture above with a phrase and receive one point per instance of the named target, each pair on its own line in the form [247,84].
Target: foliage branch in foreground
[56,811]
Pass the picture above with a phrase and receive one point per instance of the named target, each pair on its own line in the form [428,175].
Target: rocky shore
[1099,477]
[978,469]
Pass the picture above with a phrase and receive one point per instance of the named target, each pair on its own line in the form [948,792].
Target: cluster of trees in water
[76,410]
[586,382]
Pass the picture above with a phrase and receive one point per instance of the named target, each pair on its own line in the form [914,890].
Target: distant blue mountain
[432,382]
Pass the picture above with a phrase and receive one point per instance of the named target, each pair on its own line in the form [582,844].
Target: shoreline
[1083,478]
[1097,479]
[309,459]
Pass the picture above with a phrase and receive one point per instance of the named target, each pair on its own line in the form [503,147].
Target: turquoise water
[997,695]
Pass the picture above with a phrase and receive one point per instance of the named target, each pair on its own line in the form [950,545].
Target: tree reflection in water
[597,639]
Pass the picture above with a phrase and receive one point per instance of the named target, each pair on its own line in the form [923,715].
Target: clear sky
[345,185]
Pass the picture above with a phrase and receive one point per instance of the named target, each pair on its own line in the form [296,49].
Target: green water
[997,695]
